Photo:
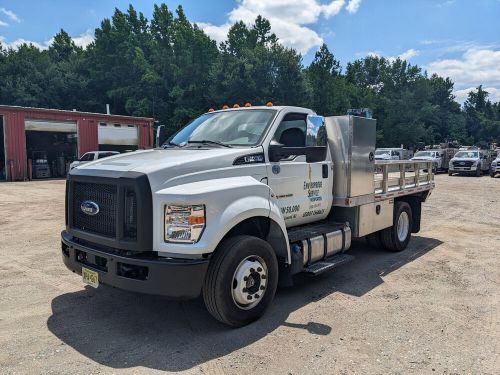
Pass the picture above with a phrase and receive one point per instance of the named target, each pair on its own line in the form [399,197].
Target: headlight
[184,223]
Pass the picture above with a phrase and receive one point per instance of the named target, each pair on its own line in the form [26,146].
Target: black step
[303,232]
[328,264]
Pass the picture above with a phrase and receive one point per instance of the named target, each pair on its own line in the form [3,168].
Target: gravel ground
[433,308]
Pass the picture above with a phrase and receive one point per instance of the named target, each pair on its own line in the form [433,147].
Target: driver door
[303,189]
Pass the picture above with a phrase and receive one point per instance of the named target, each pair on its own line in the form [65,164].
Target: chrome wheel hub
[403,226]
[249,282]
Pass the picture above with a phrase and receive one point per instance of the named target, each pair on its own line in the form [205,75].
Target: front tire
[241,280]
[397,237]
[479,172]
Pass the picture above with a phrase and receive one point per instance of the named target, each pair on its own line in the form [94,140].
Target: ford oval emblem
[90,208]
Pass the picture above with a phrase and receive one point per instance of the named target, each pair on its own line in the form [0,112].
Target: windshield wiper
[171,144]
[211,142]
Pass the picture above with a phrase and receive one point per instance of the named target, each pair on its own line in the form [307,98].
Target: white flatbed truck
[236,202]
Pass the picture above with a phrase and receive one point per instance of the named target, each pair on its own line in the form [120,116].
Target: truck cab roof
[278,108]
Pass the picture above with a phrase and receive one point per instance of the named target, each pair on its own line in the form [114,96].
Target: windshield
[424,153]
[467,154]
[238,128]
[382,152]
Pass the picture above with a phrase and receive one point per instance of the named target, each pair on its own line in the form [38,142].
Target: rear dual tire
[396,237]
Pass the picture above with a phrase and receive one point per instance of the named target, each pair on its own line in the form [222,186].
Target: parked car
[91,156]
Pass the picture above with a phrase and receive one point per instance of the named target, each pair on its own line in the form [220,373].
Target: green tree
[168,68]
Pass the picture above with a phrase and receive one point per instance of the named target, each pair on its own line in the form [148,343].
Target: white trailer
[236,202]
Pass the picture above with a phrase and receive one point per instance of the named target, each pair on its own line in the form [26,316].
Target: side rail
[402,177]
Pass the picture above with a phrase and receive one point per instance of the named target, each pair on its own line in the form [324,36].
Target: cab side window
[291,131]
[301,130]
[104,155]
[87,157]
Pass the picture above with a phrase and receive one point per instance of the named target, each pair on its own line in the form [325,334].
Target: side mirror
[278,151]
[161,135]
[275,151]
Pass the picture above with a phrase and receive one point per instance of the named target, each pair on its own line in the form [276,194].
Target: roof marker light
[236,106]
[211,110]
[225,106]
[248,104]
[269,104]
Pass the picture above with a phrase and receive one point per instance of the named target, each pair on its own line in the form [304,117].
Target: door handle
[324,169]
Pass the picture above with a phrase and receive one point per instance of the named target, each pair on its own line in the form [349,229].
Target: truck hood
[149,161]
[165,165]
[464,159]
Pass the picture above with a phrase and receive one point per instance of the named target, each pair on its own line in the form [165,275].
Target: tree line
[169,69]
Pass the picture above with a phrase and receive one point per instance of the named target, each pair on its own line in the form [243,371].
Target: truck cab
[387,154]
[236,202]
[399,153]
[470,161]
[435,156]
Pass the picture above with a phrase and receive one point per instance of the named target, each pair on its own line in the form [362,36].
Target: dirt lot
[433,308]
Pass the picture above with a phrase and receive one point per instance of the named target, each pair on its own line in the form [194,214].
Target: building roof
[77,113]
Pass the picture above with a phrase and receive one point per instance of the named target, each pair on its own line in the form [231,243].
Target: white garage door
[117,134]
[50,126]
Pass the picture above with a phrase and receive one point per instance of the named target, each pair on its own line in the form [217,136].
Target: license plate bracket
[90,277]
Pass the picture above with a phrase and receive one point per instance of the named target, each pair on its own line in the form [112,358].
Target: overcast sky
[455,38]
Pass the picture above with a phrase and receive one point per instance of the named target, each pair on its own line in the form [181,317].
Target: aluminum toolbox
[351,140]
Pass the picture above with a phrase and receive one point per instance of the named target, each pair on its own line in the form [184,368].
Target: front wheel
[241,280]
[397,237]
[479,172]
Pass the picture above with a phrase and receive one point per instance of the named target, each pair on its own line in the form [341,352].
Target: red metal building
[64,134]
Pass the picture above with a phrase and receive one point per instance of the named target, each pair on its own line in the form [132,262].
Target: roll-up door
[117,134]
[50,126]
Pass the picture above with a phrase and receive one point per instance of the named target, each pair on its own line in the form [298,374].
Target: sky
[459,39]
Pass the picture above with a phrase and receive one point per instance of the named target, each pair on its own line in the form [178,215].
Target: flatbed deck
[402,177]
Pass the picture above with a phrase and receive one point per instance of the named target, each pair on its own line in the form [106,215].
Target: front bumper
[463,169]
[175,278]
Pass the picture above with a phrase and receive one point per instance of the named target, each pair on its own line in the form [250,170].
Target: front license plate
[90,277]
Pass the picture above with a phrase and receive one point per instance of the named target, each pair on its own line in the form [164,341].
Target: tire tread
[388,236]
[209,291]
